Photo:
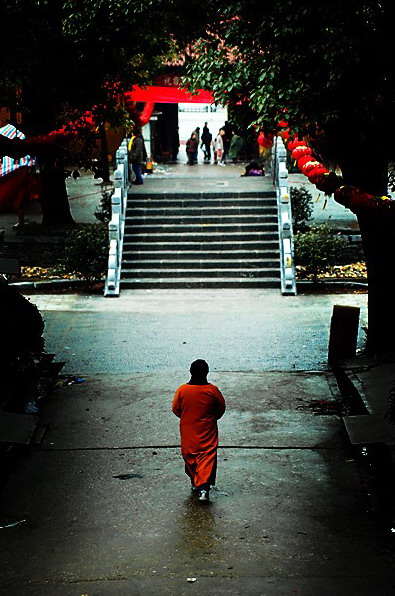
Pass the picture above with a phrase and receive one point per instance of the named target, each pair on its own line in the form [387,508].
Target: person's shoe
[137,183]
[203,495]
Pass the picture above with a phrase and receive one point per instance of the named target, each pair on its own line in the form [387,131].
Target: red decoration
[343,194]
[350,196]
[304,160]
[309,166]
[285,134]
[359,200]
[328,182]
[299,152]
[295,143]
[315,173]
[139,118]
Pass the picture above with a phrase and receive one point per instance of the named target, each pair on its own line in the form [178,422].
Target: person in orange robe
[199,405]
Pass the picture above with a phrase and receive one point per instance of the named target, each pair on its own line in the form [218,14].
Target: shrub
[86,252]
[301,206]
[318,250]
[103,214]
[291,165]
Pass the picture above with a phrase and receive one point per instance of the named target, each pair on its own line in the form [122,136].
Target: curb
[48,284]
[376,458]
[362,283]
[77,282]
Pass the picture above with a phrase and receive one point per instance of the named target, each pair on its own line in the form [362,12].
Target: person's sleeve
[176,406]
[220,404]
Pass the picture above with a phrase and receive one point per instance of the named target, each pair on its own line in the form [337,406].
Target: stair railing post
[116,225]
[287,266]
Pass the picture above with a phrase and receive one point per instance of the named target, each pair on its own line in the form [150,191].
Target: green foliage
[66,56]
[104,213]
[302,208]
[318,250]
[86,252]
[314,62]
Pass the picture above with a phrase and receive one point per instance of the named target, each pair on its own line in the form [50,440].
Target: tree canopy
[314,63]
[61,57]
[327,69]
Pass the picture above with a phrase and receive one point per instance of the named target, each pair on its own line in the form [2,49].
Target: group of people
[227,144]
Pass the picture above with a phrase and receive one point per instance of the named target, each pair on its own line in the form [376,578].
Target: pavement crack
[164,447]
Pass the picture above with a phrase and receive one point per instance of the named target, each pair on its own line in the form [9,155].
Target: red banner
[169,95]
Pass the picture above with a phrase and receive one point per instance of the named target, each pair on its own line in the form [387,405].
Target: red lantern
[343,194]
[328,182]
[360,199]
[303,160]
[295,143]
[299,152]
[311,165]
[315,174]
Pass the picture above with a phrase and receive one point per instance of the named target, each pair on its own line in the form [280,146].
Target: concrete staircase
[201,240]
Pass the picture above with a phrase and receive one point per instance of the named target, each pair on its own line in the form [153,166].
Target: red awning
[169,95]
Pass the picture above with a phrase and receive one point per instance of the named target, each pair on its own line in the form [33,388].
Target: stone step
[131,264]
[201,240]
[210,255]
[202,211]
[210,194]
[207,236]
[200,283]
[201,229]
[196,246]
[201,220]
[175,283]
[241,273]
[199,203]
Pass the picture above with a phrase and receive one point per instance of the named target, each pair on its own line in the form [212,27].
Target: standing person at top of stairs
[137,155]
[192,147]
[227,137]
[218,147]
[206,143]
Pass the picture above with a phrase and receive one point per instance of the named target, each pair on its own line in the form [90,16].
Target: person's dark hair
[199,368]
[137,130]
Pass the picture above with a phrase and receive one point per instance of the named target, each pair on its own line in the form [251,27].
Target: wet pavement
[165,330]
[288,515]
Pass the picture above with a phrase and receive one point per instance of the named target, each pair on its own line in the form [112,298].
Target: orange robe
[199,407]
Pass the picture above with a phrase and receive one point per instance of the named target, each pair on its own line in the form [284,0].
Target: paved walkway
[161,330]
[107,508]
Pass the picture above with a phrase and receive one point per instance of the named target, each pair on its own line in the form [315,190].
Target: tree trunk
[55,205]
[378,233]
[368,169]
